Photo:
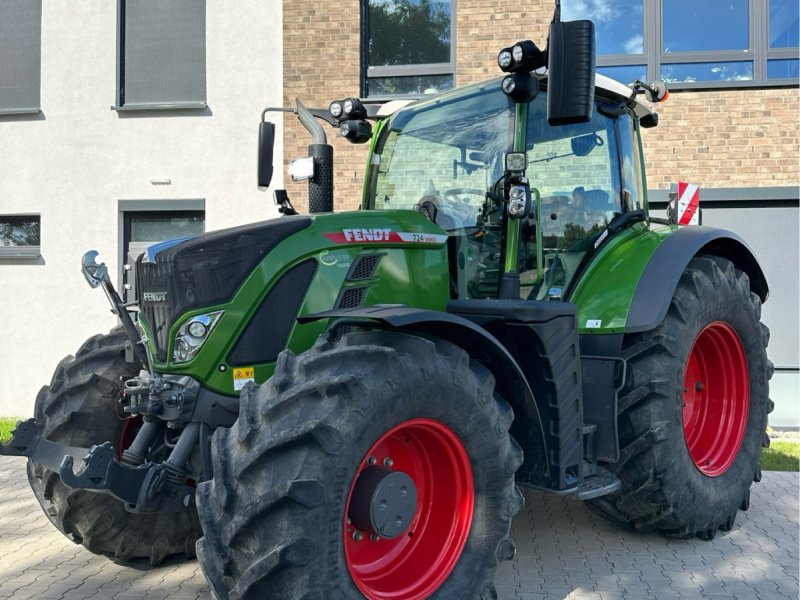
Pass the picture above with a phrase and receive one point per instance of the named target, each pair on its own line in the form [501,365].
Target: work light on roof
[357,131]
[520,87]
[523,56]
[354,109]
[335,109]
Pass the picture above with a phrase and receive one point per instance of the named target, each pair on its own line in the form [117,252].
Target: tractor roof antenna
[557,13]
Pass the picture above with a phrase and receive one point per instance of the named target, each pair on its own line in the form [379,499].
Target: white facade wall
[75,161]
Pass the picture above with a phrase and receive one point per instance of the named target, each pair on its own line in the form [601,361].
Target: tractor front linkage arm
[145,488]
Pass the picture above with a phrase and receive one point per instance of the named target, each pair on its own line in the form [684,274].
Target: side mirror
[584,144]
[266,143]
[570,73]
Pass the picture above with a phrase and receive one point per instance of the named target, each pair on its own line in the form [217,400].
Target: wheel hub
[408,512]
[383,502]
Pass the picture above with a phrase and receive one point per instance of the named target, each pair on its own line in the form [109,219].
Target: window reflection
[691,26]
[619,25]
[625,74]
[783,24]
[711,71]
[783,69]
[424,84]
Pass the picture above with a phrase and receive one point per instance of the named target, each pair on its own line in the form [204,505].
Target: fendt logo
[366,235]
[155,296]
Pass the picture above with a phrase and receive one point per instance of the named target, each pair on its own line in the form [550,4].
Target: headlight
[504,59]
[336,109]
[192,335]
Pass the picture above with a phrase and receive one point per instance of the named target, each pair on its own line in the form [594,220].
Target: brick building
[125,122]
[730,124]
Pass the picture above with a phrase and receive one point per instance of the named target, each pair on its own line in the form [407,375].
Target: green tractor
[345,405]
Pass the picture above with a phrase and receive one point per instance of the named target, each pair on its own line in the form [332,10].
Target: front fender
[482,347]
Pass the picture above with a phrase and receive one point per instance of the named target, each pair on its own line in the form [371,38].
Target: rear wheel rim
[716,398]
[414,564]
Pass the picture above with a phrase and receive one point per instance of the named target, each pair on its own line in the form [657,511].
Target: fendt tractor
[345,405]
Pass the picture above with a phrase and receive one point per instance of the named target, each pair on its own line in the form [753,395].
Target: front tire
[80,408]
[281,517]
[693,414]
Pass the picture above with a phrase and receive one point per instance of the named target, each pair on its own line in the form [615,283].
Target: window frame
[35,108]
[368,72]
[31,252]
[758,52]
[120,104]
[165,207]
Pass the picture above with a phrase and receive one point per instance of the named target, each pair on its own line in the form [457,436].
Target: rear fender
[483,347]
[660,277]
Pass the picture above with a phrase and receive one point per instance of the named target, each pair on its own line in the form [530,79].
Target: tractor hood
[203,271]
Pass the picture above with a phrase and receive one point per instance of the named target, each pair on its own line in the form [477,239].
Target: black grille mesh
[351,297]
[363,267]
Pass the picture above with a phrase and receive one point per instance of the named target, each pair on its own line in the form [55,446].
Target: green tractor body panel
[410,268]
[605,290]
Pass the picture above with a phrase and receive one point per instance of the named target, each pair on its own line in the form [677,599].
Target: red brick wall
[731,138]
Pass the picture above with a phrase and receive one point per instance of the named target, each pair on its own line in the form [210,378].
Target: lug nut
[371,460]
[358,536]
[374,537]
[388,462]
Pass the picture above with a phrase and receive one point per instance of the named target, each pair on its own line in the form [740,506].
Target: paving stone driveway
[563,551]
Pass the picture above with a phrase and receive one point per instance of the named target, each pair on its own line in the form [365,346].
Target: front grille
[204,271]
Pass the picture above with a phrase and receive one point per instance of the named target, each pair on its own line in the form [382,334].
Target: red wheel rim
[414,564]
[716,396]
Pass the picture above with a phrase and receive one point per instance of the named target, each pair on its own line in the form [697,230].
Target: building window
[20,236]
[690,44]
[161,54]
[142,229]
[407,47]
[20,56]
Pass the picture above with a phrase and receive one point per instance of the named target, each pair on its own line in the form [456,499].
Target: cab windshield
[443,157]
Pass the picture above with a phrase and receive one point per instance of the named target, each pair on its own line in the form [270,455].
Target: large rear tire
[80,408]
[281,517]
[693,413]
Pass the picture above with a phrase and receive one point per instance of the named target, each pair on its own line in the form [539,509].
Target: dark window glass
[423,84]
[24,230]
[408,47]
[409,32]
[692,25]
[20,55]
[783,69]
[625,74]
[710,71]
[163,53]
[783,24]
[619,25]
[154,227]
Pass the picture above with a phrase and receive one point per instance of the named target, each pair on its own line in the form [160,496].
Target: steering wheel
[454,194]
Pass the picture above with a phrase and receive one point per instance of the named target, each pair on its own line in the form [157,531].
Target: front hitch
[146,488]
[97,276]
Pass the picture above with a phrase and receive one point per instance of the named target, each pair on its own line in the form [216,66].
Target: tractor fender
[481,346]
[660,277]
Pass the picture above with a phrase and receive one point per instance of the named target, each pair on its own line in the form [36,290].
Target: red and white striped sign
[688,203]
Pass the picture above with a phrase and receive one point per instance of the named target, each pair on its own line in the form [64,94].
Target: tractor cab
[448,159]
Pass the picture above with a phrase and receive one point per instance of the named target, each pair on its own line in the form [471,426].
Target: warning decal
[242,375]
[688,203]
